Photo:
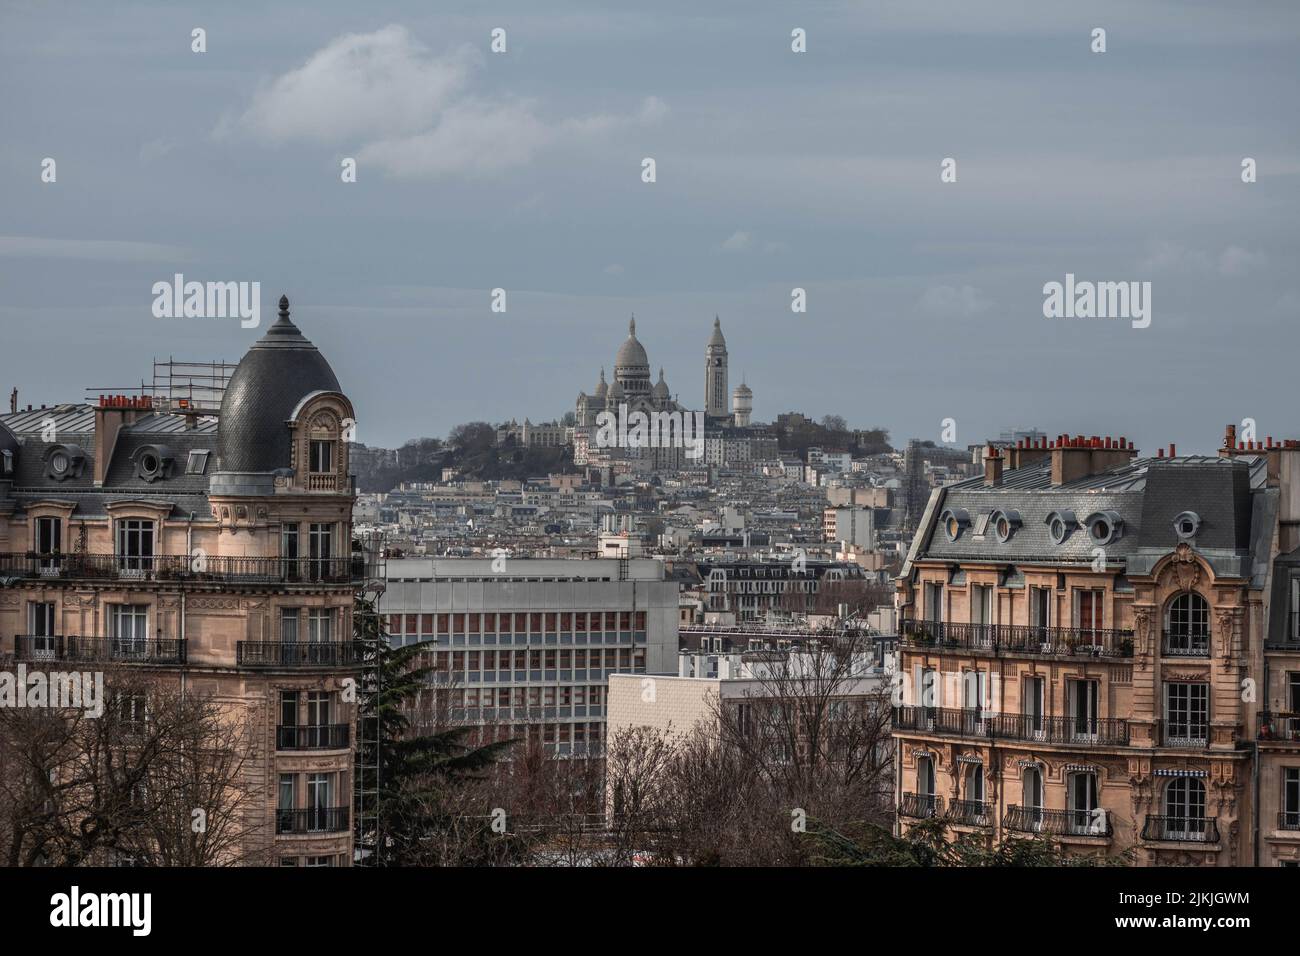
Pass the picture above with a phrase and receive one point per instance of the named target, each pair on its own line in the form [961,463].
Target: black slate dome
[278,372]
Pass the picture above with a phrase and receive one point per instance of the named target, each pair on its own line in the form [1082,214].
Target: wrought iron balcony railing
[1019,639]
[923,806]
[199,569]
[1091,823]
[313,736]
[971,813]
[1181,829]
[297,654]
[963,722]
[313,820]
[1186,644]
[1279,726]
[59,647]
[1288,820]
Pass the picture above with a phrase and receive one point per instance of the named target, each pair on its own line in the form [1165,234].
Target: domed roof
[601,386]
[716,338]
[279,371]
[631,354]
[661,387]
[615,390]
[743,389]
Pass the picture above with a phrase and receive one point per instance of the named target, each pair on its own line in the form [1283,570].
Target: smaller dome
[716,338]
[661,387]
[743,390]
[601,386]
[615,391]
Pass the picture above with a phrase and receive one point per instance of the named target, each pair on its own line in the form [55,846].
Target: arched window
[925,776]
[1187,626]
[1185,809]
[1032,786]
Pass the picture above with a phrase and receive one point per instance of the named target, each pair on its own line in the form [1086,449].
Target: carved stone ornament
[1187,570]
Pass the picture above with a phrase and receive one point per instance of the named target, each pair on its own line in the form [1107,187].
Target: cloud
[104,250]
[1236,261]
[953,302]
[410,112]
[738,241]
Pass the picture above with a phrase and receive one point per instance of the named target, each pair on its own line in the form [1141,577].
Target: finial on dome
[284,306]
[631,326]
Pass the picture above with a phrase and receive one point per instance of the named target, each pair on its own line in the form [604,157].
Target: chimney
[992,468]
[13,400]
[111,414]
[1077,456]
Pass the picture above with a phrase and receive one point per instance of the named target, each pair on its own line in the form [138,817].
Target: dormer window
[1060,524]
[153,462]
[1186,525]
[954,522]
[197,463]
[63,462]
[1104,527]
[322,457]
[1005,524]
[6,462]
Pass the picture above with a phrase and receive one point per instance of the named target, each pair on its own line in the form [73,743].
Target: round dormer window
[1101,530]
[1002,528]
[149,464]
[1057,530]
[60,463]
[1187,524]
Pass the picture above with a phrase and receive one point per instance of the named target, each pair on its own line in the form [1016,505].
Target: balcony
[1186,644]
[299,654]
[962,722]
[1186,736]
[313,737]
[1279,727]
[1288,820]
[1181,829]
[1018,639]
[197,569]
[314,820]
[1072,823]
[971,813]
[922,806]
[57,647]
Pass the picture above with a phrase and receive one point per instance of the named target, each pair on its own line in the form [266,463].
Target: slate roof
[273,377]
[1147,494]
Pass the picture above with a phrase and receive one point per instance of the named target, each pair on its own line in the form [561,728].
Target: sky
[774,170]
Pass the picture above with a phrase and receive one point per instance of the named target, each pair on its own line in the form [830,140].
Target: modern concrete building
[208,548]
[527,644]
[1102,647]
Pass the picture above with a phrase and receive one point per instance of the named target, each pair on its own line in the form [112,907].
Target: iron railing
[923,806]
[1186,644]
[297,654]
[1279,726]
[313,736]
[59,647]
[971,813]
[1019,638]
[965,722]
[199,568]
[1091,823]
[314,820]
[1288,820]
[1181,829]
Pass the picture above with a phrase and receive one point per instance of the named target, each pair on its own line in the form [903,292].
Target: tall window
[975,783]
[933,601]
[1040,604]
[320,708]
[322,457]
[1187,714]
[289,625]
[1290,798]
[929,685]
[40,625]
[128,628]
[1185,809]
[320,625]
[1187,625]
[925,776]
[286,802]
[320,799]
[1032,694]
[1088,613]
[981,604]
[974,690]
[1082,698]
[288,708]
[1082,797]
[1032,791]
[290,550]
[135,545]
[49,542]
[320,538]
